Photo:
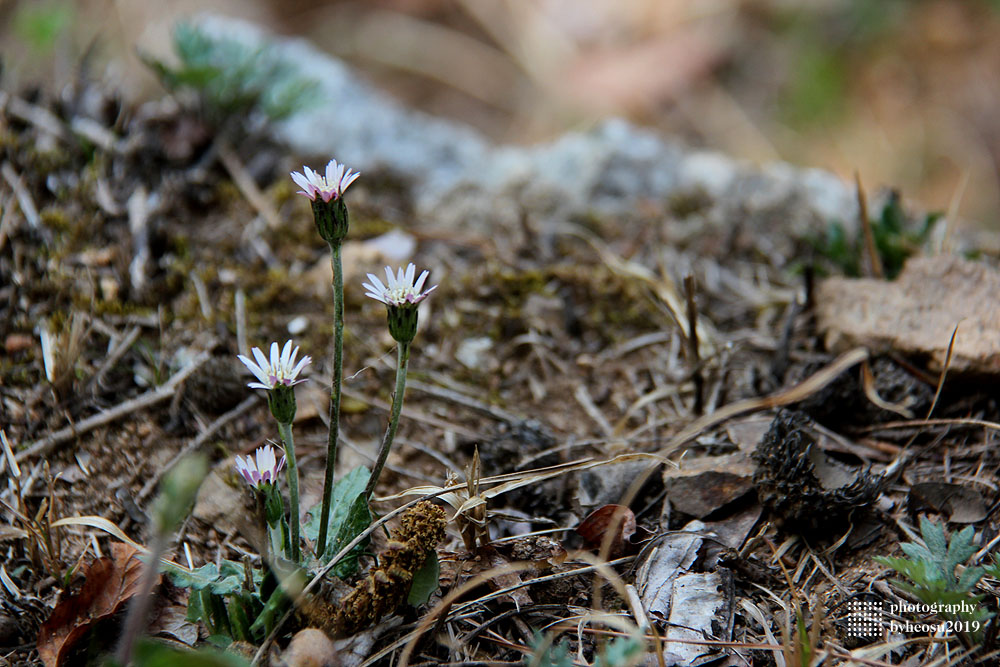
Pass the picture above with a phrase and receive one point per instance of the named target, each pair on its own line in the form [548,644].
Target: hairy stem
[338,377]
[285,430]
[403,357]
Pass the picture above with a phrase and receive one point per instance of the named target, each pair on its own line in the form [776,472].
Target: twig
[241,322]
[38,116]
[692,336]
[889,426]
[244,181]
[197,442]
[138,224]
[24,199]
[120,349]
[583,397]
[465,401]
[151,397]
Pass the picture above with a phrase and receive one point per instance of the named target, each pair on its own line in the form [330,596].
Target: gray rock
[459,179]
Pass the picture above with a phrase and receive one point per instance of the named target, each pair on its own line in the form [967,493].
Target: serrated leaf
[621,651]
[917,552]
[970,578]
[935,540]
[222,580]
[425,581]
[960,549]
[552,655]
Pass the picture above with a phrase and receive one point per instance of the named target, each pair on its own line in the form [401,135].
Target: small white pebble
[298,324]
[471,352]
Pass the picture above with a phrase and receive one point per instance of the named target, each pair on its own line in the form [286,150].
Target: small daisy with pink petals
[279,369]
[260,469]
[330,185]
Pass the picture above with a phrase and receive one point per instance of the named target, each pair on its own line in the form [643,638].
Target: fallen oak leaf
[110,582]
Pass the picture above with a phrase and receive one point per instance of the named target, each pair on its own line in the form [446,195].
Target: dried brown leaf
[620,521]
[109,584]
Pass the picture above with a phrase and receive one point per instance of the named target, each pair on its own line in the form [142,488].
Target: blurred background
[906,92]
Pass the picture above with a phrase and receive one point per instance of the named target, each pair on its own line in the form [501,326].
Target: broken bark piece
[702,485]
[916,314]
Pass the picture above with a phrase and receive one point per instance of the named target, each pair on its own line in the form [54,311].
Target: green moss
[56,218]
[690,202]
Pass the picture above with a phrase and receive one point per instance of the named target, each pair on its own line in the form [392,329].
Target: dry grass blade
[101,524]
[944,372]
[662,286]
[244,181]
[918,423]
[445,605]
[868,384]
[799,392]
[874,263]
[24,200]
[511,481]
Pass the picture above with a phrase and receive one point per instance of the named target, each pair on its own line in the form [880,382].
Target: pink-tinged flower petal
[399,289]
[254,368]
[280,368]
[261,468]
[348,178]
[328,185]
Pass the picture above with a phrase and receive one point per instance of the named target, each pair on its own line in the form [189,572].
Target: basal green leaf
[425,581]
[357,520]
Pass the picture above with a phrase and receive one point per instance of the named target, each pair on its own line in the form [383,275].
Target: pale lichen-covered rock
[458,179]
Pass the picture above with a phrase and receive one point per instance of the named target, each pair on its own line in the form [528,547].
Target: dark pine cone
[802,487]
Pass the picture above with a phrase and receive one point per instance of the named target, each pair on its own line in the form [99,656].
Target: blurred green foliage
[897,238]
[620,652]
[40,24]
[231,78]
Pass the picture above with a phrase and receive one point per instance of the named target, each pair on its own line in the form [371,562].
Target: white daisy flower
[329,186]
[280,369]
[399,290]
[263,470]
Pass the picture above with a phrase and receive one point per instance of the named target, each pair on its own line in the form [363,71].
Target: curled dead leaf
[109,583]
[619,521]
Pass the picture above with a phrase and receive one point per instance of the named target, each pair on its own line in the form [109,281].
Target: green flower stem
[403,358]
[338,378]
[277,527]
[285,430]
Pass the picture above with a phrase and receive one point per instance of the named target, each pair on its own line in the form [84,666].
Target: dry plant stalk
[386,586]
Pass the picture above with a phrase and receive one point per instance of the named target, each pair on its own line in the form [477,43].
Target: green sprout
[896,240]
[931,571]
